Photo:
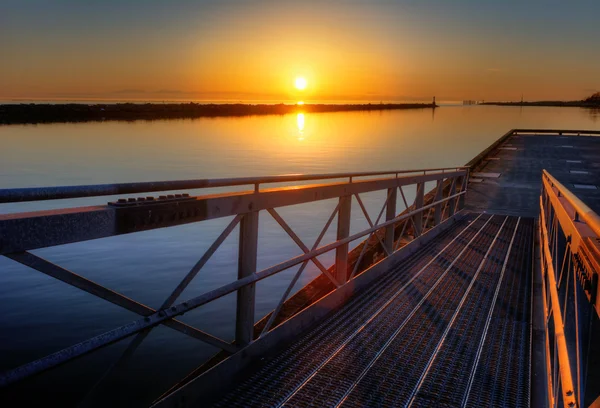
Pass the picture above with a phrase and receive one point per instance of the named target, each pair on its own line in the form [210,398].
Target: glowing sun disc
[300,83]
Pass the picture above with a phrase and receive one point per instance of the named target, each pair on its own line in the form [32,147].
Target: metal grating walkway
[448,327]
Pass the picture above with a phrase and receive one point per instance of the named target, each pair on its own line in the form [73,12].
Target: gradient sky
[253,50]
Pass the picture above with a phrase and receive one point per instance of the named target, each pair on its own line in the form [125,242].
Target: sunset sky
[254,50]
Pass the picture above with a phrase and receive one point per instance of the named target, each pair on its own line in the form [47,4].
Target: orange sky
[347,50]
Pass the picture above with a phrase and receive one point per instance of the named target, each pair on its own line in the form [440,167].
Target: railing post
[343,231]
[418,218]
[244,324]
[451,193]
[464,186]
[459,202]
[437,216]
[390,213]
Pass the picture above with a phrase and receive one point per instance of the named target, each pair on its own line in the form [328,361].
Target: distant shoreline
[566,104]
[76,112]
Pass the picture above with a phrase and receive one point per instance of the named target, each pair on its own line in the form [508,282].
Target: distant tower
[521,99]
[434,101]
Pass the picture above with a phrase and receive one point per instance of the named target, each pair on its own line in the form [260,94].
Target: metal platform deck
[449,326]
[508,179]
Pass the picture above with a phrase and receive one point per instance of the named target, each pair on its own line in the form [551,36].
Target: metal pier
[481,292]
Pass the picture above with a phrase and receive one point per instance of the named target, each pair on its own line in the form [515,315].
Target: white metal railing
[20,233]
[55,193]
[570,263]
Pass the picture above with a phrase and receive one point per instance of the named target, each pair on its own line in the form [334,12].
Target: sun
[300,83]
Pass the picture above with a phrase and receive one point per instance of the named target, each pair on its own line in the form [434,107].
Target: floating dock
[482,292]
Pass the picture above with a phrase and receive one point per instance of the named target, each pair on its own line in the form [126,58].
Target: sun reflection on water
[300,123]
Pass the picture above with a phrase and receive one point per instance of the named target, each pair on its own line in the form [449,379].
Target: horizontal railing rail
[570,264]
[65,192]
[27,231]
[23,232]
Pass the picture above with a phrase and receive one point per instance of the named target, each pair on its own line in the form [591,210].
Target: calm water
[40,315]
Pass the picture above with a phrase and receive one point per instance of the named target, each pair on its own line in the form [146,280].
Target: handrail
[63,192]
[569,268]
[23,232]
[561,348]
[166,314]
[583,211]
